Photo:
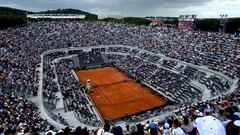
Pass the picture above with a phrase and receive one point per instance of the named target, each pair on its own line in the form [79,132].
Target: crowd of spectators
[19,115]
[90,58]
[50,86]
[216,84]
[218,116]
[21,46]
[171,84]
[74,95]
[20,49]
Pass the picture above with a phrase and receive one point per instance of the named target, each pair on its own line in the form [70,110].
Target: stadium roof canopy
[56,16]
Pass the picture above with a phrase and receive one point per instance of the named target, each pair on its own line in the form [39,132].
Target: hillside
[10,17]
[6,11]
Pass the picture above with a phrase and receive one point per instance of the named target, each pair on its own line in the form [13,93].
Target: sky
[140,8]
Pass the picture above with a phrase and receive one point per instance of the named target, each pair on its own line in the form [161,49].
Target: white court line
[100,90]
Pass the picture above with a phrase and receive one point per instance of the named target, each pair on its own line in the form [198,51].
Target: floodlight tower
[223,22]
[27,17]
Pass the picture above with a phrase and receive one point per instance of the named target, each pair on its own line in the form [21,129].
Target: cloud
[202,8]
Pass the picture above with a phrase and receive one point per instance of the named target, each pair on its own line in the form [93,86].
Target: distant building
[56,16]
[156,21]
[186,22]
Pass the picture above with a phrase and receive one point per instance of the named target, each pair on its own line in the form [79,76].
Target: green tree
[233,25]
[208,25]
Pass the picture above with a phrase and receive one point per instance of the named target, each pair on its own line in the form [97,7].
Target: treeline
[129,20]
[10,17]
[232,25]
[207,25]
[11,21]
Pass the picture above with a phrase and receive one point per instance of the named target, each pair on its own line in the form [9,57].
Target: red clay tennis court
[115,94]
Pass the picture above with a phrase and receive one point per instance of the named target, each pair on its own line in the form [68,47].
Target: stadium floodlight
[223,21]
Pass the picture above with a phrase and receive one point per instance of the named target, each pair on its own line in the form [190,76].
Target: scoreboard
[186,22]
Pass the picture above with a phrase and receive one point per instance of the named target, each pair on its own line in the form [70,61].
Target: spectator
[1,131]
[210,125]
[177,128]
[107,129]
[187,126]
[227,119]
[67,131]
[118,131]
[231,129]
[166,129]
[51,130]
